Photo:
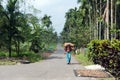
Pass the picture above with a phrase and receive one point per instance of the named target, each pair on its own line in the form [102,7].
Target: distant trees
[94,19]
[18,29]
[76,29]
[97,22]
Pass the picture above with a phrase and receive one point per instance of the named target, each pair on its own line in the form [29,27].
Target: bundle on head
[68,48]
[71,44]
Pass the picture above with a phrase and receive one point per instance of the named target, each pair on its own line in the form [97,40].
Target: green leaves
[107,54]
[118,2]
[46,21]
[11,6]
[76,28]
[17,29]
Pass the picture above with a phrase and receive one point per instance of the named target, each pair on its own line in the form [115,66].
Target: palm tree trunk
[18,48]
[97,36]
[95,21]
[9,44]
[100,21]
[90,25]
[115,19]
[112,18]
[107,34]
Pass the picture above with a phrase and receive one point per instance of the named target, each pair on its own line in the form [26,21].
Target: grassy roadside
[26,56]
[106,79]
[83,59]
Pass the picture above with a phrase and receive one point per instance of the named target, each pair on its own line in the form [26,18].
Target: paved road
[53,68]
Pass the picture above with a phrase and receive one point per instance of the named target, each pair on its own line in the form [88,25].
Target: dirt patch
[92,73]
[8,61]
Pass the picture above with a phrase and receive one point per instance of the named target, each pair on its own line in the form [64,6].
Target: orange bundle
[66,44]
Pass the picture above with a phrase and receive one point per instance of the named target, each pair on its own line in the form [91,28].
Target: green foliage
[23,33]
[26,55]
[3,54]
[107,54]
[30,56]
[52,47]
[76,30]
[46,21]
[118,2]
[93,15]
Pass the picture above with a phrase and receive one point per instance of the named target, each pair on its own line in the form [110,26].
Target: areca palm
[47,24]
[11,15]
[75,27]
[46,21]
[3,30]
[11,9]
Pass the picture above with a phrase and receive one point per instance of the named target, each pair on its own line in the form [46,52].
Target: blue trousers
[68,57]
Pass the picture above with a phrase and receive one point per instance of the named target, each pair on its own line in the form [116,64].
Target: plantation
[24,35]
[95,25]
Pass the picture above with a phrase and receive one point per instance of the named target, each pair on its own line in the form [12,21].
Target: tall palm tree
[11,8]
[12,16]
[111,17]
[46,21]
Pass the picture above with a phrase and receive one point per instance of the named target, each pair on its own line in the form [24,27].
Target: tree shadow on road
[55,57]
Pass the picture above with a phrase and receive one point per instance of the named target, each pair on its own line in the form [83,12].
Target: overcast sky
[56,9]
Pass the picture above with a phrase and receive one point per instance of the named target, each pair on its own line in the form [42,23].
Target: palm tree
[12,22]
[111,17]
[46,21]
[11,8]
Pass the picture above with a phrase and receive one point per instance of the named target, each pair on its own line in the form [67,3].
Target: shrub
[107,54]
[3,54]
[32,57]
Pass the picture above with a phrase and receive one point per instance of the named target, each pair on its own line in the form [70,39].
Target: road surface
[53,68]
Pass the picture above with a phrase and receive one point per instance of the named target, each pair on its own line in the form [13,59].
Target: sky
[56,9]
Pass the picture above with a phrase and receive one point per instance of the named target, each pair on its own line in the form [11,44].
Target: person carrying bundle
[68,50]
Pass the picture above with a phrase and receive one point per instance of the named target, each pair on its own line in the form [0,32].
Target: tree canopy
[19,29]
[93,19]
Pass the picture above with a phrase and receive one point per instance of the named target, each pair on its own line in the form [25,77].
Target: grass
[7,62]
[83,59]
[24,55]
[30,56]
[105,79]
